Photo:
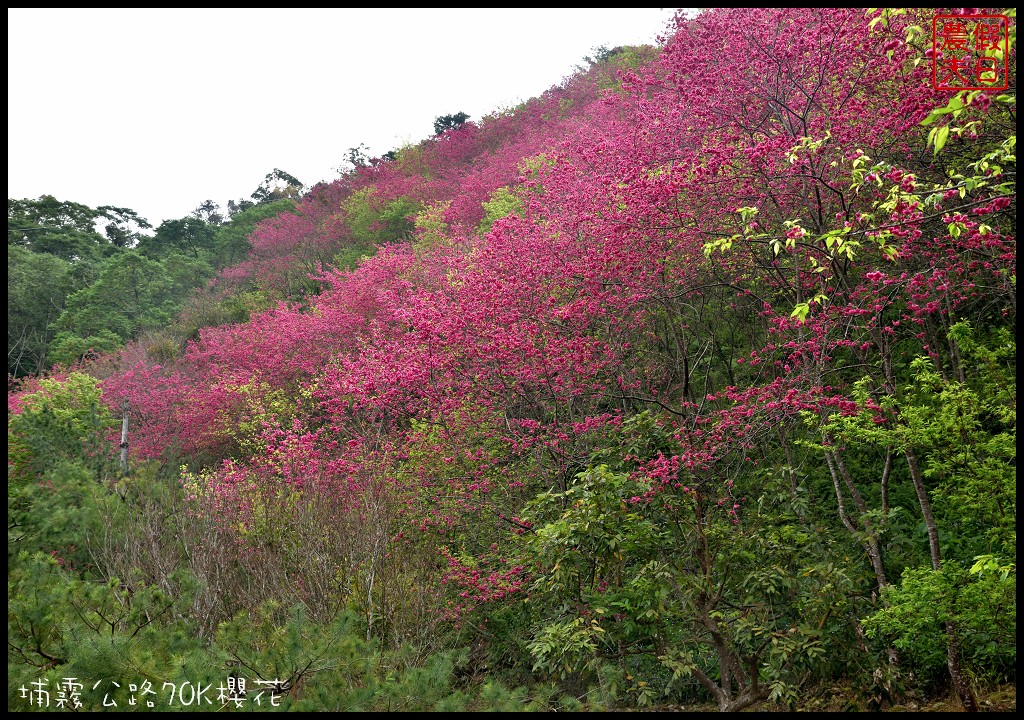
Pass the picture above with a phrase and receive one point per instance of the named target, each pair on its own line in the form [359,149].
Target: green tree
[960,438]
[188,235]
[209,212]
[653,586]
[38,285]
[61,228]
[131,293]
[356,157]
[276,185]
[124,227]
[58,447]
[449,122]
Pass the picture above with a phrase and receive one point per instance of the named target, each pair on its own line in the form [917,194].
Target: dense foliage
[691,380]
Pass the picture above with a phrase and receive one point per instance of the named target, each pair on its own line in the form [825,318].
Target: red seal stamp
[970,52]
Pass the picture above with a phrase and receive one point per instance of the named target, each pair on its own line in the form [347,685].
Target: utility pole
[124,437]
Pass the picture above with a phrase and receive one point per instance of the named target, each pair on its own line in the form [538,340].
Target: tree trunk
[960,683]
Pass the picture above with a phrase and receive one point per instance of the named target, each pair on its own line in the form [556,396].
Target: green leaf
[954,106]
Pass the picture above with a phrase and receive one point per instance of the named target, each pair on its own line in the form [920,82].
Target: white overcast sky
[159,109]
